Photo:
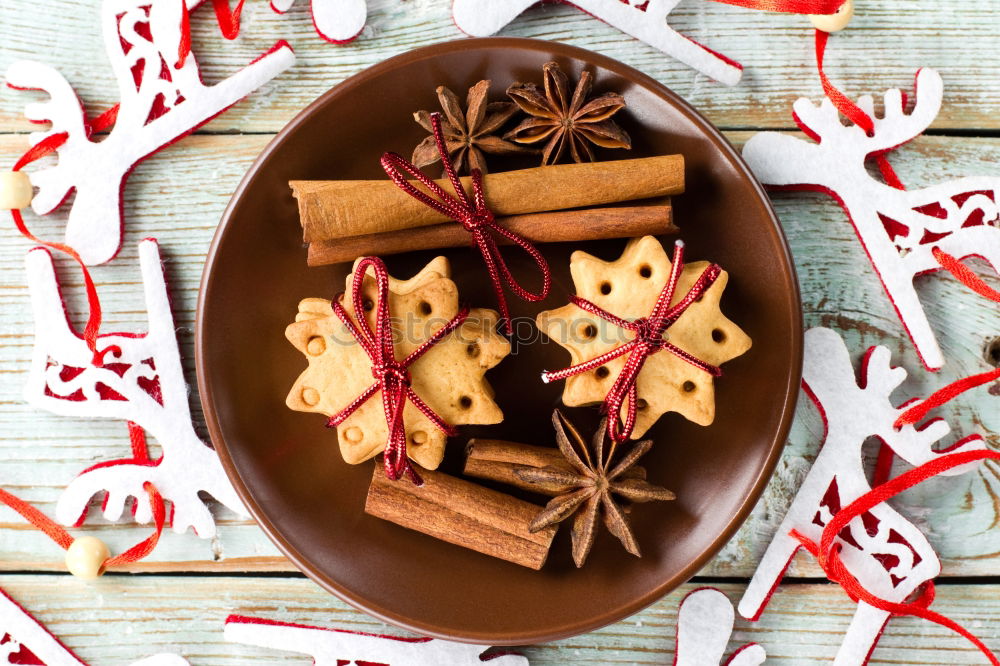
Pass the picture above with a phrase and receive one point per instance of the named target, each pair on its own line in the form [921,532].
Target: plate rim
[619,612]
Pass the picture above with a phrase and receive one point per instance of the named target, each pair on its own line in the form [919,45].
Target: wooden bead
[15,190]
[85,557]
[834,22]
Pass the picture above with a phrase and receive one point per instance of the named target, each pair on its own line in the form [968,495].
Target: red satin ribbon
[64,539]
[45,147]
[943,395]
[474,215]
[391,376]
[789,6]
[648,340]
[952,264]
[228,20]
[827,552]
[853,112]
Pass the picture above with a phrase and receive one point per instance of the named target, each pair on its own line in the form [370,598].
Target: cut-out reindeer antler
[336,21]
[888,555]
[141,382]
[704,626]
[645,20]
[160,102]
[899,229]
[333,647]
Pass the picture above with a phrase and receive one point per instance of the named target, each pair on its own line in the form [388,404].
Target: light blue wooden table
[189,586]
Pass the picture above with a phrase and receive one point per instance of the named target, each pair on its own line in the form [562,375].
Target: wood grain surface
[178,195]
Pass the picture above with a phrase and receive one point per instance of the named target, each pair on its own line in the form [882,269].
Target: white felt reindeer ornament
[141,381]
[26,641]
[704,626]
[160,103]
[334,647]
[336,21]
[886,553]
[901,230]
[645,20]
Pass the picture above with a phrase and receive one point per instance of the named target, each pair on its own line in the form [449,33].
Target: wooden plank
[179,195]
[120,619]
[891,38]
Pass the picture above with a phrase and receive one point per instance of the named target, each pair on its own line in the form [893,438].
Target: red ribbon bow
[648,340]
[391,376]
[474,215]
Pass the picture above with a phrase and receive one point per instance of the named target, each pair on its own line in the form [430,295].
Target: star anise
[568,124]
[467,134]
[592,488]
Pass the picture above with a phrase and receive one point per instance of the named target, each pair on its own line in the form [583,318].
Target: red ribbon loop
[474,215]
[648,340]
[47,146]
[392,377]
[827,552]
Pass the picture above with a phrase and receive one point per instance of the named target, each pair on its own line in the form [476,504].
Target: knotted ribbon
[648,340]
[827,552]
[472,214]
[392,377]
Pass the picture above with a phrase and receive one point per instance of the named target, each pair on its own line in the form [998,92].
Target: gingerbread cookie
[628,288]
[449,377]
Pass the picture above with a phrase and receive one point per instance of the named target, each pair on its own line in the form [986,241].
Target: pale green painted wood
[178,196]
[120,619]
[892,38]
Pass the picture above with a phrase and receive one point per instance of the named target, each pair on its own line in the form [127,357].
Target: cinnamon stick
[554,227]
[345,208]
[462,513]
[498,460]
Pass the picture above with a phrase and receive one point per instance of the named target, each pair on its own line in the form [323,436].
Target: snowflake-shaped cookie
[628,288]
[449,377]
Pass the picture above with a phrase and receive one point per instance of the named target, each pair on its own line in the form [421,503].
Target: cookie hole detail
[588,332]
[718,335]
[602,372]
[688,386]
[316,346]
[605,288]
[425,308]
[645,271]
[465,402]
[418,437]
[368,304]
[354,434]
[310,396]
[473,350]
[641,405]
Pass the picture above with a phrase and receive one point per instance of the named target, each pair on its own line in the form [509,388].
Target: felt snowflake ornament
[680,358]
[704,626]
[336,21]
[161,101]
[645,20]
[26,641]
[444,370]
[141,381]
[335,647]
[906,233]
[885,553]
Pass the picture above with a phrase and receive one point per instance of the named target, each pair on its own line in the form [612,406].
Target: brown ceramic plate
[286,465]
